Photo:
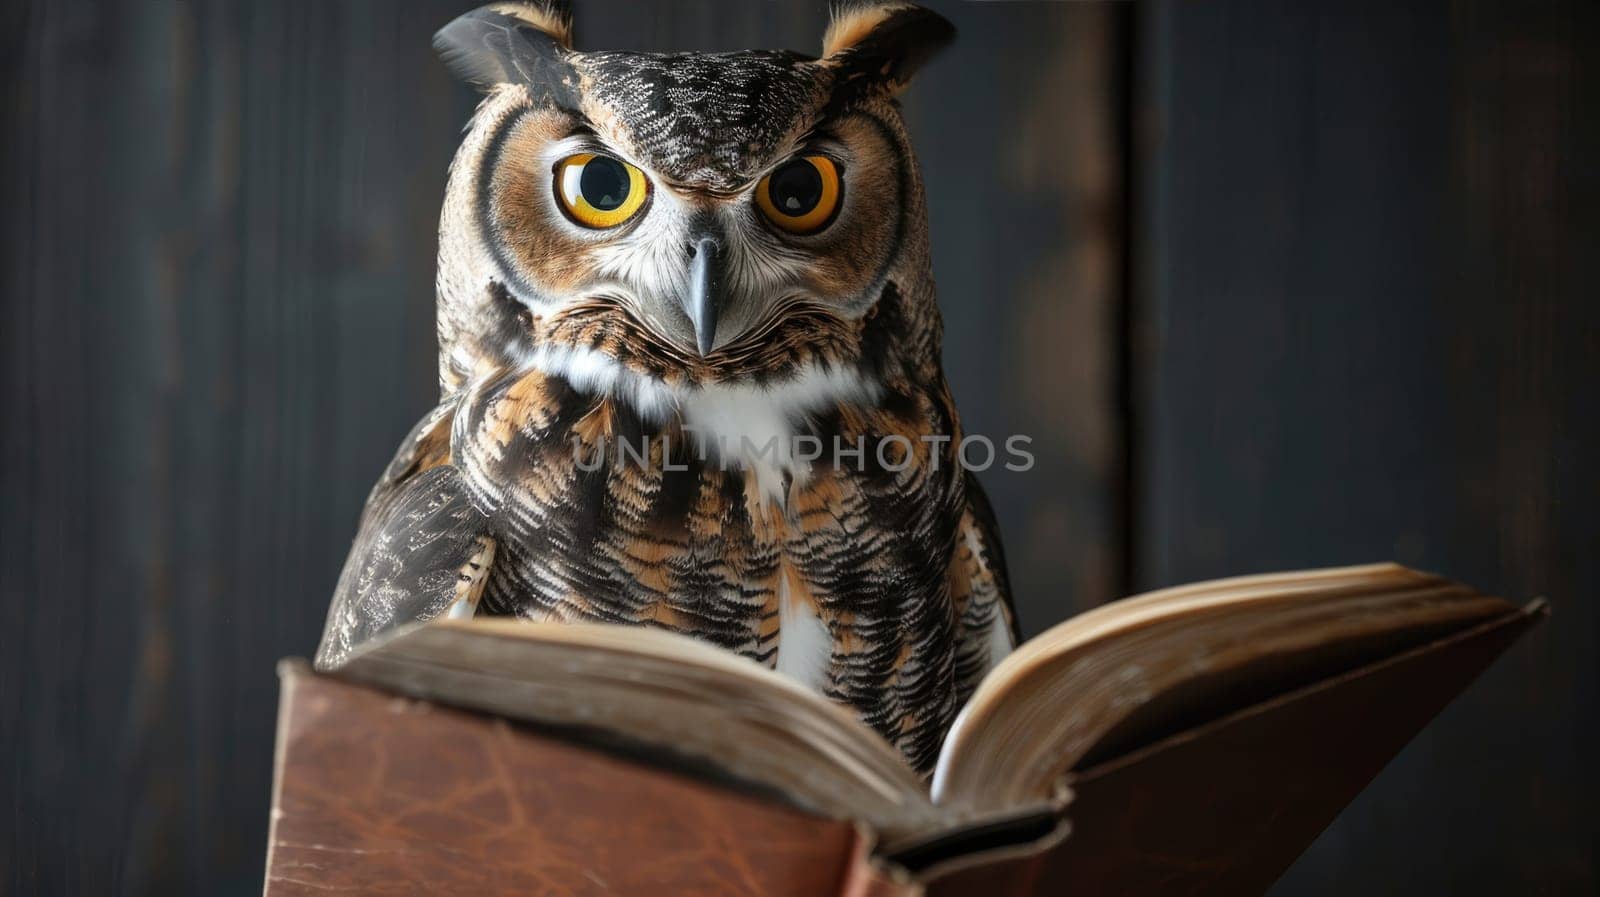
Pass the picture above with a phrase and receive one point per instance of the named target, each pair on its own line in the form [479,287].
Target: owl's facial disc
[705,259]
[592,187]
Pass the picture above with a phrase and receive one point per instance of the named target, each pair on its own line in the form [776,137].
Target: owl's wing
[986,621]
[422,549]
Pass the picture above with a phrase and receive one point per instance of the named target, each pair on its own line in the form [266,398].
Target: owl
[689,358]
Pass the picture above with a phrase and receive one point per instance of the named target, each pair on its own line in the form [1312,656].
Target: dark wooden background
[1270,285]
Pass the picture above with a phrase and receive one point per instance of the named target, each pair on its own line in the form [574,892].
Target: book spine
[866,875]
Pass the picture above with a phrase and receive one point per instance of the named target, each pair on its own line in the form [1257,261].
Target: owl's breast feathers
[872,574]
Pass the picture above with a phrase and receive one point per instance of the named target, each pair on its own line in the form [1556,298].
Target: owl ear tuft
[884,42]
[552,17]
[510,43]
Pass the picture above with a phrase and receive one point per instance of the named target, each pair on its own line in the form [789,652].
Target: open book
[1102,686]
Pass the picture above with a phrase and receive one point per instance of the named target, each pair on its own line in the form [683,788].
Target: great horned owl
[689,357]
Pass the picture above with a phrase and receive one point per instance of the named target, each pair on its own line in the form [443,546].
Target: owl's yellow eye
[599,191]
[802,195]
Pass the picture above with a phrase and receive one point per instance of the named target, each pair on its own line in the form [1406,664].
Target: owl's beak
[707,280]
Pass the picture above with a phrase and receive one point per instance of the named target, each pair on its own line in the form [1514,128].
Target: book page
[1185,654]
[667,691]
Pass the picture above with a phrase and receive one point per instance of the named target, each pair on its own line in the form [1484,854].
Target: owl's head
[696,217]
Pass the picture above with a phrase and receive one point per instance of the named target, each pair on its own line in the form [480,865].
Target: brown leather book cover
[382,795]
[377,795]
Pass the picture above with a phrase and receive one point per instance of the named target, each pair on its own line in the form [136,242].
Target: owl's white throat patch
[737,425]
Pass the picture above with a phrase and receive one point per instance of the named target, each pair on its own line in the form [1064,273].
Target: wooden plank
[219,228]
[1020,139]
[1368,329]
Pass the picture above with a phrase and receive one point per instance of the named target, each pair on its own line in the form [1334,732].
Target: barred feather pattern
[680,543]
